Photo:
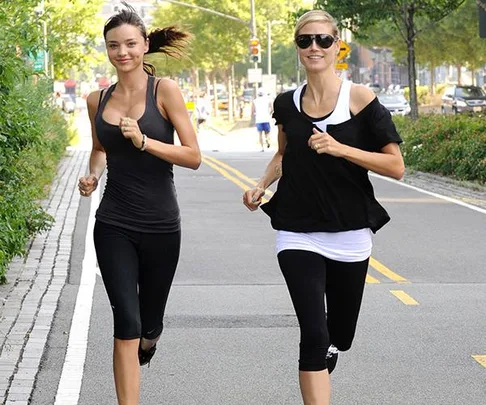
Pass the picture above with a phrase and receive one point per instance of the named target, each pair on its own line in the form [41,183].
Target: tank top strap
[104,100]
[150,91]
[344,96]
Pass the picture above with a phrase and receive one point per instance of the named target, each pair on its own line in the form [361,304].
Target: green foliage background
[33,133]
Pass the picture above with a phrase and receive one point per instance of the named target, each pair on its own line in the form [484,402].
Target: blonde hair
[316,16]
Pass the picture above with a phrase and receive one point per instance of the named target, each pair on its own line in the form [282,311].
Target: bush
[33,137]
[423,94]
[449,145]
[33,133]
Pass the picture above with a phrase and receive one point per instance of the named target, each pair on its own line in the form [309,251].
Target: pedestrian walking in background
[262,111]
[137,232]
[330,134]
[202,110]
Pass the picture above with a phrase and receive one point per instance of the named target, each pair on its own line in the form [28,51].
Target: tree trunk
[459,76]
[412,75]
[432,79]
[215,96]
[230,95]
[195,78]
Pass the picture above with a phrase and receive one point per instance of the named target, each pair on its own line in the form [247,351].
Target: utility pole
[39,11]
[269,47]
[253,35]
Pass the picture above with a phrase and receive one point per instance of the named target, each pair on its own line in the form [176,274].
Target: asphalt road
[231,337]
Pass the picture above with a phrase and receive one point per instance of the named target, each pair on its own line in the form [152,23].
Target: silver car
[463,99]
[396,103]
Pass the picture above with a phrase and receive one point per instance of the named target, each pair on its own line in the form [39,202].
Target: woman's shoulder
[166,84]
[360,98]
[284,99]
[93,99]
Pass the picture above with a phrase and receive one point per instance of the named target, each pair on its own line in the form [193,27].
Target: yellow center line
[242,176]
[228,176]
[480,358]
[381,268]
[404,297]
[225,170]
[371,280]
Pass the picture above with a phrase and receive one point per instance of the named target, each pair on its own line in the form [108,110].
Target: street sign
[38,62]
[255,75]
[343,50]
[341,66]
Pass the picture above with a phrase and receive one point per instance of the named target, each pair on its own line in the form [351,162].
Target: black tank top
[140,193]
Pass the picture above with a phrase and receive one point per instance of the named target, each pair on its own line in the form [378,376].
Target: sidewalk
[30,298]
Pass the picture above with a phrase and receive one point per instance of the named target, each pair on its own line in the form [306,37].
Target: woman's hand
[87,185]
[322,142]
[253,198]
[131,130]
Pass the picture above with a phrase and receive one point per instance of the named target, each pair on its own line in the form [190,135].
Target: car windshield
[469,92]
[392,99]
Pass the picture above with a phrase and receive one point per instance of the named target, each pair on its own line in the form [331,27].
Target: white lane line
[443,197]
[72,371]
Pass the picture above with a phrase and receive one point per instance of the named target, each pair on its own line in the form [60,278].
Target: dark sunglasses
[323,40]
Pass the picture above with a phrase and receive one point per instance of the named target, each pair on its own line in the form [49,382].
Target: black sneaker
[144,356]
[331,358]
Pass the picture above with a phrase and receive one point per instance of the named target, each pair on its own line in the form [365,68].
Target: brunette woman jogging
[137,232]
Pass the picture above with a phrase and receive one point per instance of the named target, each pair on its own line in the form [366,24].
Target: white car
[397,104]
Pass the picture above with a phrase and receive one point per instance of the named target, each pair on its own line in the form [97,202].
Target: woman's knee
[313,357]
[127,326]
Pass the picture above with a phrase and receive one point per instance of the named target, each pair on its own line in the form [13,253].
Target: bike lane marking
[69,388]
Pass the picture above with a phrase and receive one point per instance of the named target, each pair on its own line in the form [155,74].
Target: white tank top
[348,246]
[262,110]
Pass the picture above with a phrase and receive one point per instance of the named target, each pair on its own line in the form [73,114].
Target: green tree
[462,44]
[20,36]
[409,18]
[73,28]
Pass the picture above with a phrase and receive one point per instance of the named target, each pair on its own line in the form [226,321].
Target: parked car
[463,99]
[396,103]
[374,86]
[223,101]
[248,95]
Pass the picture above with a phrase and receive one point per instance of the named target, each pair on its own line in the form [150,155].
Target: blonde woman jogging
[330,133]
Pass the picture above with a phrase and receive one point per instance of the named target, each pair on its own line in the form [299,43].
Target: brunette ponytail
[169,41]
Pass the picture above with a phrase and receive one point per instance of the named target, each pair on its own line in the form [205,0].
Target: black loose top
[320,192]
[140,194]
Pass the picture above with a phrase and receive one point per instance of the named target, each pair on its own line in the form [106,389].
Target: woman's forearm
[179,155]
[97,163]
[273,172]
[386,164]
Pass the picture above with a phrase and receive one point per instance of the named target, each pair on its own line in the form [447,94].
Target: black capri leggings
[310,277]
[137,270]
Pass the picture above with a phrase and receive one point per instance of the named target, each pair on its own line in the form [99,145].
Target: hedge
[449,145]
[33,138]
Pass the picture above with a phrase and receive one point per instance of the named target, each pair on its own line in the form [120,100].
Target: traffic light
[255,50]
